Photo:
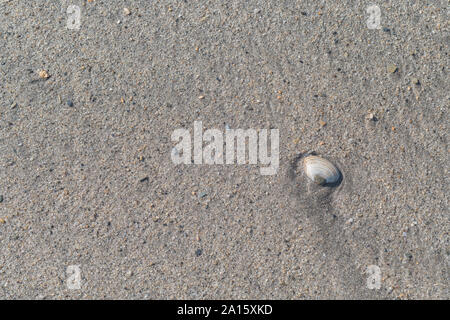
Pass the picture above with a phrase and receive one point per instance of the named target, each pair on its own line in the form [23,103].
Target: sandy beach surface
[93,207]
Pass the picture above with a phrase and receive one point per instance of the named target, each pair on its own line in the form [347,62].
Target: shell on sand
[320,170]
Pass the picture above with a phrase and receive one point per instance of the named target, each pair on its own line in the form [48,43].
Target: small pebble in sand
[392,68]
[1,198]
[2,221]
[43,74]
[415,81]
[371,117]
[201,97]
[126,11]
[322,123]
[70,103]
[198,252]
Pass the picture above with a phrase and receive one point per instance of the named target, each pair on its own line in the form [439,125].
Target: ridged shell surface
[320,170]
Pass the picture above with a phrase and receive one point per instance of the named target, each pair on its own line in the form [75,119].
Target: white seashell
[320,170]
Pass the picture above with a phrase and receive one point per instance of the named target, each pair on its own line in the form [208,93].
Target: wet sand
[87,178]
